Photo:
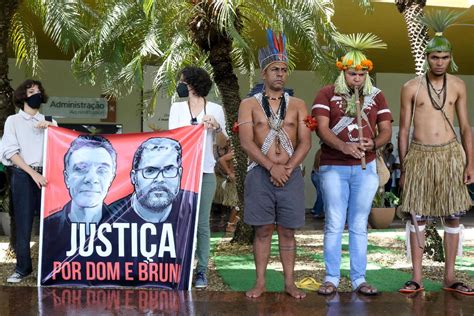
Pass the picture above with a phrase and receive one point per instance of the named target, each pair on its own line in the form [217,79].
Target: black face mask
[35,101]
[182,90]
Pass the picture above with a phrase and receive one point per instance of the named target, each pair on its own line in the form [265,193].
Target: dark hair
[156,143]
[198,79]
[90,141]
[19,96]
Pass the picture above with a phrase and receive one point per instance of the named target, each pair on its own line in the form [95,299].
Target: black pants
[26,201]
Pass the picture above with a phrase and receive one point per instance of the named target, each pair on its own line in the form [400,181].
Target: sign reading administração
[75,107]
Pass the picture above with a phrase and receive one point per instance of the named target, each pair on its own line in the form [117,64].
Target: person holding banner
[347,187]
[273,134]
[195,84]
[22,151]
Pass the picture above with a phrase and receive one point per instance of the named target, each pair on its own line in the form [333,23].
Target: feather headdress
[439,21]
[274,52]
[355,58]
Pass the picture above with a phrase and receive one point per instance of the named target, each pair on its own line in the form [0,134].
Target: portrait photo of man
[158,198]
[89,169]
[156,176]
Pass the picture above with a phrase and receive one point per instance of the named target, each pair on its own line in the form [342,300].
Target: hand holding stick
[359,123]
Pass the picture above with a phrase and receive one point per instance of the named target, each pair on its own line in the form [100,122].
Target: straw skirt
[434,183]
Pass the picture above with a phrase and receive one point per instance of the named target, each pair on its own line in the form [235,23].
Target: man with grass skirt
[436,167]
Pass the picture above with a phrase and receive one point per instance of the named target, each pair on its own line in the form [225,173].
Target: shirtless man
[435,169]
[276,140]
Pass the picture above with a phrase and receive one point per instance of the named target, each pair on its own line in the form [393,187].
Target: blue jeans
[348,192]
[318,208]
[26,201]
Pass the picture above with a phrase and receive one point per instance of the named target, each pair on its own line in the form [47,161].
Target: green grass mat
[239,271]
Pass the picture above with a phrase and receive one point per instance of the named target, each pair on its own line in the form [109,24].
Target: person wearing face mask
[195,84]
[22,152]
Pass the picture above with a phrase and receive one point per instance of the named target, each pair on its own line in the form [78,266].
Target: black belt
[35,168]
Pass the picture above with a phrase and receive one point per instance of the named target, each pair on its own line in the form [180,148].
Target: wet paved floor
[77,301]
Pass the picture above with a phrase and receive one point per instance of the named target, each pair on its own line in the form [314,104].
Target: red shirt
[332,106]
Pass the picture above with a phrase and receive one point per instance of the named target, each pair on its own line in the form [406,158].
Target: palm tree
[215,34]
[60,21]
[412,10]
[7,10]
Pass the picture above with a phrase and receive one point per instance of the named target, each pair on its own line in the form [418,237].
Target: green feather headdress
[355,58]
[439,21]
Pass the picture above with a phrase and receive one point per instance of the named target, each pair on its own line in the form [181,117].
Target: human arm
[37,178]
[466,132]
[406,108]
[303,141]
[216,121]
[384,135]
[224,163]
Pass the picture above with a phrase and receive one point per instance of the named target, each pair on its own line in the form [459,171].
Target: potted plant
[382,216]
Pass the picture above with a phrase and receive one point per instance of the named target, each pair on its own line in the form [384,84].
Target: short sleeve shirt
[328,104]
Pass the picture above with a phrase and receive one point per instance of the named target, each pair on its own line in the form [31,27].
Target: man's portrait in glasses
[158,199]
[156,176]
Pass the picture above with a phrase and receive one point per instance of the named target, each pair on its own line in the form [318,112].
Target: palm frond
[61,21]
[440,20]
[24,43]
[360,41]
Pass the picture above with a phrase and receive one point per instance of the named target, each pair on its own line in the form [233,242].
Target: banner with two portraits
[120,209]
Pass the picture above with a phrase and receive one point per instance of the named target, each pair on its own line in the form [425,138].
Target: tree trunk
[7,8]
[417,33]
[228,86]
[207,35]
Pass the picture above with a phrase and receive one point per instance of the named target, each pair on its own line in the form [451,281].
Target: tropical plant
[412,10]
[60,21]
[383,198]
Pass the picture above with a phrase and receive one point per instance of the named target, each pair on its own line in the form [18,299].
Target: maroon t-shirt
[331,105]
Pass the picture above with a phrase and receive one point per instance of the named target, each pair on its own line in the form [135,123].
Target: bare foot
[255,292]
[294,291]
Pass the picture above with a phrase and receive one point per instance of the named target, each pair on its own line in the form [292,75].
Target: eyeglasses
[153,172]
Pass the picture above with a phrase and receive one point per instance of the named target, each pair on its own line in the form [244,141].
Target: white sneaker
[15,278]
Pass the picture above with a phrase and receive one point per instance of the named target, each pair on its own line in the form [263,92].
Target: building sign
[72,107]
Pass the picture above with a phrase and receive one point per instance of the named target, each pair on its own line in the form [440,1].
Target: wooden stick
[359,124]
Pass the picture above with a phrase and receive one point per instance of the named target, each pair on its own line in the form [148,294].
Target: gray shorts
[267,204]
